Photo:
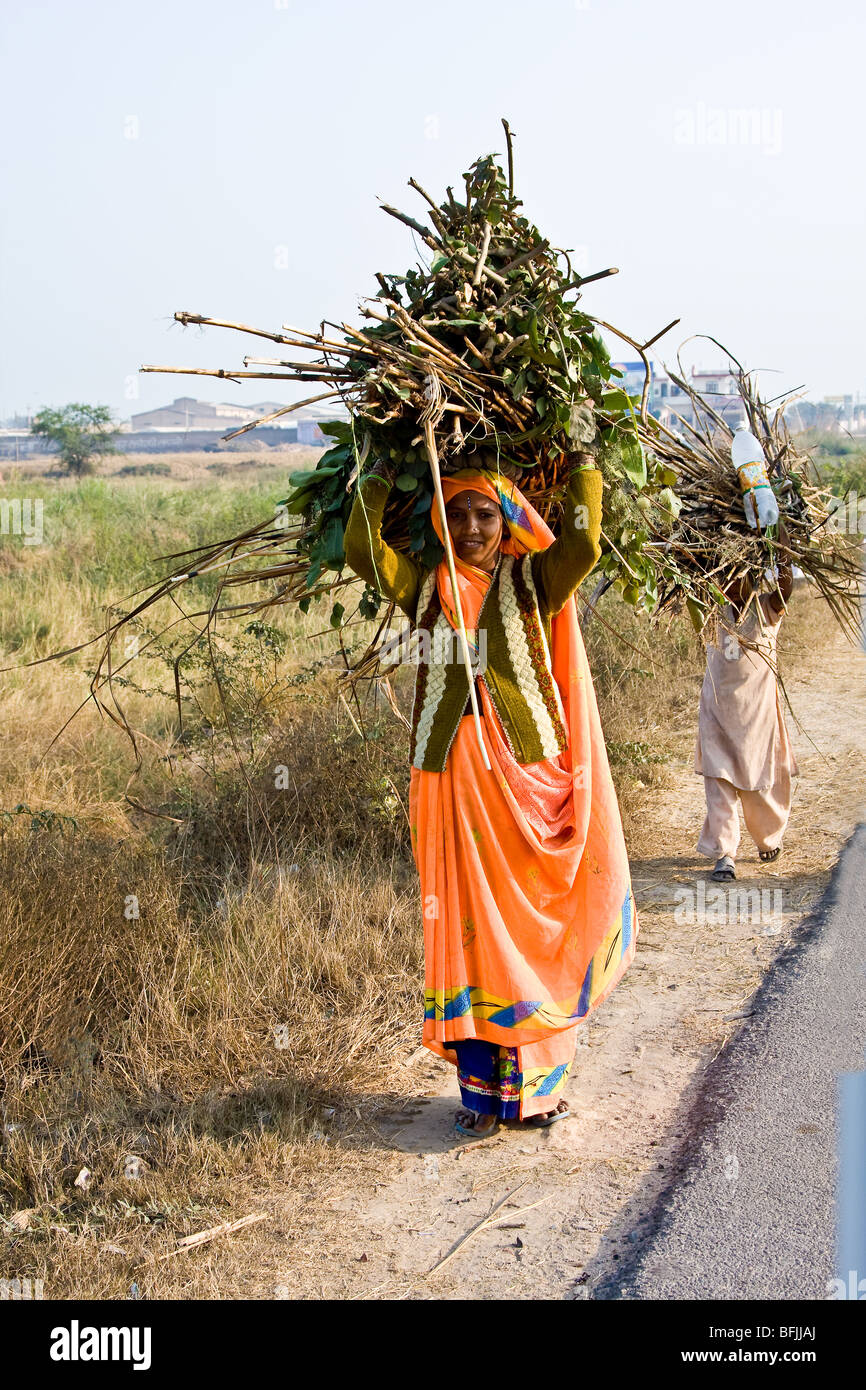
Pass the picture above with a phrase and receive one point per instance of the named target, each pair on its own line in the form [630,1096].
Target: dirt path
[640,1060]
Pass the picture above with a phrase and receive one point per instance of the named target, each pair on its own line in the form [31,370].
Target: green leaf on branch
[581,423]
[615,402]
[632,459]
[666,476]
[668,499]
[400,391]
[332,544]
[370,602]
[696,612]
[307,476]
[341,430]
[299,501]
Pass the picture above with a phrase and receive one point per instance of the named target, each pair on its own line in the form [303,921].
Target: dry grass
[269,984]
[234,460]
[257,1000]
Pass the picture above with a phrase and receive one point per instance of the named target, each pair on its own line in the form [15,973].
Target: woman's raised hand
[581,461]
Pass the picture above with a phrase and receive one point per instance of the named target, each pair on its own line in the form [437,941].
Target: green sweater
[515,619]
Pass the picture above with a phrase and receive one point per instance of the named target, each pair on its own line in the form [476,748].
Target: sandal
[467,1126]
[724,870]
[561,1112]
[768,855]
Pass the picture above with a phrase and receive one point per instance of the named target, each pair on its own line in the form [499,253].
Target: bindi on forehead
[470,500]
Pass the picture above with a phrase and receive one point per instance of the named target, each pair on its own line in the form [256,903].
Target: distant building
[718,388]
[670,404]
[186,413]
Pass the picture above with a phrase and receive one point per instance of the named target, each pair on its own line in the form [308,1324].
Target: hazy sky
[226,157]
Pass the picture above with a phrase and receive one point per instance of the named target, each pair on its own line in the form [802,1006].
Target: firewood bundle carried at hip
[479,351]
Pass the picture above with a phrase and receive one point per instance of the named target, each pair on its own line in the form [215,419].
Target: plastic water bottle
[759,500]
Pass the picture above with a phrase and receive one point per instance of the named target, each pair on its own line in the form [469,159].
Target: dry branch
[205,1237]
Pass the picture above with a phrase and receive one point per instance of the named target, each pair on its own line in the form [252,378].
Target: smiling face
[475,525]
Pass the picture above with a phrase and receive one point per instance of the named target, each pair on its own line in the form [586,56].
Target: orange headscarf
[524,530]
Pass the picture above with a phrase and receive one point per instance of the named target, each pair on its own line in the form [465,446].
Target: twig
[599,275]
[410,222]
[526,257]
[485,247]
[434,213]
[661,333]
[509,139]
[489,1220]
[205,1237]
[229,375]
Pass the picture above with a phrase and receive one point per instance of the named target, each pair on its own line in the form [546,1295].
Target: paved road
[751,1212]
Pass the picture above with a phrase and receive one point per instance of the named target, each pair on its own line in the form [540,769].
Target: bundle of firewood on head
[479,353]
[747,499]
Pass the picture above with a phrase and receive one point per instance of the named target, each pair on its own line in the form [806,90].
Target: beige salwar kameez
[743,750]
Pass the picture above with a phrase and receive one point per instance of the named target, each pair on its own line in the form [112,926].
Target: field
[212,966]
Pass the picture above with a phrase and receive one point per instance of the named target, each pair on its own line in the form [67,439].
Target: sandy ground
[578,1187]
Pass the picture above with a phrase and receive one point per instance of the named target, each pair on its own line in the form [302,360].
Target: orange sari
[529,920]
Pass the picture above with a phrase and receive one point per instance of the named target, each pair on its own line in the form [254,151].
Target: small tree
[81,433]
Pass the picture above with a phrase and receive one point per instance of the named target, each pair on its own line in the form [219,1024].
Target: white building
[667,401]
[672,407]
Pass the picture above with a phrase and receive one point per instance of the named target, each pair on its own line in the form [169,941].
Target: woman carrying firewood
[529,920]
[743,750]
